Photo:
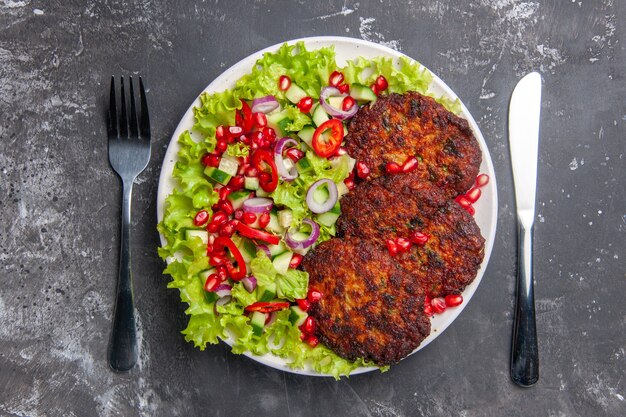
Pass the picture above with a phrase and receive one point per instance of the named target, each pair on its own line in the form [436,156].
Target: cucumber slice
[321,194]
[336,102]
[210,297]
[329,218]
[217,175]
[295,93]
[277,249]
[267,292]
[319,115]
[281,262]
[306,134]
[246,247]
[303,166]
[237,198]
[362,92]
[274,224]
[202,234]
[297,316]
[285,217]
[342,189]
[251,183]
[262,193]
[229,164]
[257,321]
[279,121]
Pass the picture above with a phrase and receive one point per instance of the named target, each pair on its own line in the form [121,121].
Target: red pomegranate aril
[236,182]
[303,335]
[211,283]
[427,299]
[220,132]
[410,164]
[482,180]
[201,218]
[264,220]
[284,82]
[238,214]
[213,227]
[304,304]
[392,247]
[362,170]
[374,88]
[403,244]
[211,160]
[463,201]
[221,146]
[418,238]
[235,131]
[347,103]
[343,88]
[227,207]
[296,260]
[209,249]
[216,259]
[471,210]
[349,183]
[264,177]
[270,133]
[393,168]
[428,309]
[473,195]
[222,272]
[249,218]
[381,83]
[251,171]
[260,120]
[312,341]
[335,78]
[453,300]
[219,217]
[308,326]
[314,295]
[294,154]
[224,192]
[438,304]
[305,104]
[227,230]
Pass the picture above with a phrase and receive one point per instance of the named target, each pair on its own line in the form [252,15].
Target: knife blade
[524,112]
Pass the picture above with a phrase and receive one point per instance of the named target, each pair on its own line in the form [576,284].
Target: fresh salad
[258,186]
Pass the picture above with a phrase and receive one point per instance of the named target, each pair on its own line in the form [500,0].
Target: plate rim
[166,182]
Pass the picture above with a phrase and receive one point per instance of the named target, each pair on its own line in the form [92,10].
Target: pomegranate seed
[438,304]
[428,309]
[212,227]
[312,341]
[303,335]
[227,230]
[427,299]
[216,259]
[343,88]
[473,195]
[260,120]
[335,78]
[453,300]
[308,327]
[304,304]
[221,146]
[463,202]
[251,171]
[257,136]
[349,183]
[305,104]
[362,170]
[347,103]
[222,273]
[236,182]
[235,131]
[284,82]
[238,214]
[381,83]
[219,217]
[264,220]
[374,88]
[249,218]
[264,177]
[296,259]
[224,192]
[294,154]
[419,238]
[392,247]
[471,210]
[314,295]
[211,283]
[209,249]
[403,244]
[393,168]
[482,180]
[201,218]
[220,132]
[227,207]
[211,160]
[270,133]
[410,164]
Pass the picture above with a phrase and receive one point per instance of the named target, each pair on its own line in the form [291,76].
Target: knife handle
[524,353]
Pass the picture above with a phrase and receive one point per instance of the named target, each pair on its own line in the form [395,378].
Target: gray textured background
[59,207]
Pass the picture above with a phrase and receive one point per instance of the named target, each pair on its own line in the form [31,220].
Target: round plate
[347,49]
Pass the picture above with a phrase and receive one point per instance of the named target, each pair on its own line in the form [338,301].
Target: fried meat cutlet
[400,126]
[371,307]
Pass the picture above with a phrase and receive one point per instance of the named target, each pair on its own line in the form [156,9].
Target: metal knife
[524,112]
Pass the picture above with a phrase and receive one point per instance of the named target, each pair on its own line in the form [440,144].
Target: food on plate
[371,307]
[402,132]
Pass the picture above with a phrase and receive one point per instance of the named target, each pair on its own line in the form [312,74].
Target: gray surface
[59,211]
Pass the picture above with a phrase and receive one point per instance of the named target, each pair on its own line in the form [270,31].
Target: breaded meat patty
[371,308]
[400,126]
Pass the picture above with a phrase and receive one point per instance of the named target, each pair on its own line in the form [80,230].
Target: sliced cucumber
[279,121]
[295,93]
[342,189]
[303,166]
[217,175]
[336,102]
[202,234]
[285,217]
[297,316]
[319,115]
[281,262]
[277,249]
[274,224]
[257,321]
[329,218]
[266,292]
[362,92]
[237,198]
[321,194]
[306,134]
[262,193]
[229,164]
[251,183]
[246,247]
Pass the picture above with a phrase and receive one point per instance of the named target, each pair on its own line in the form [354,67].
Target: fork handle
[123,349]
[524,352]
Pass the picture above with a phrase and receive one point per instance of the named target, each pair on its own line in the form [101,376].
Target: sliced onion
[271,319]
[223,301]
[333,111]
[249,283]
[302,244]
[316,207]
[264,104]
[265,250]
[292,174]
[258,205]
[223,290]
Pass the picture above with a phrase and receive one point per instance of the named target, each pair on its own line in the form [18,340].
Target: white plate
[348,49]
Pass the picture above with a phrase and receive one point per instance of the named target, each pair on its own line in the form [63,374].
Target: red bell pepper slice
[243,117]
[247,231]
[324,144]
[259,158]
[238,273]
[267,307]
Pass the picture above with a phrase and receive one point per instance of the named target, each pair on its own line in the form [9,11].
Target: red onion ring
[303,244]
[316,207]
[223,290]
[292,174]
[257,205]
[264,104]
[249,283]
[223,301]
[333,111]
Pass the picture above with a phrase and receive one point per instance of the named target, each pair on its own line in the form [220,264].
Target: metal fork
[129,153]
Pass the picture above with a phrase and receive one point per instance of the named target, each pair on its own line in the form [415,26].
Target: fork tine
[145,118]
[134,133]
[123,118]
[112,127]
